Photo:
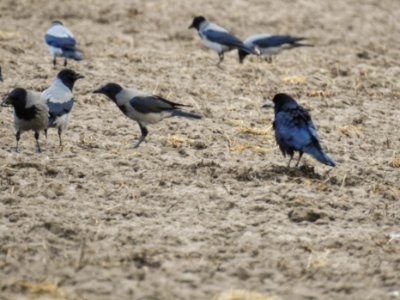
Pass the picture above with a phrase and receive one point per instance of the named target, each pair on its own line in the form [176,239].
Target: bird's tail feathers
[252,50]
[319,155]
[180,113]
[302,45]
[75,54]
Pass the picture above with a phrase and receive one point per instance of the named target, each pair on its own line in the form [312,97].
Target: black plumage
[295,131]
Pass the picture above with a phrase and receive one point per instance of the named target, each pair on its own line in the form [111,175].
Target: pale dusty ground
[188,220]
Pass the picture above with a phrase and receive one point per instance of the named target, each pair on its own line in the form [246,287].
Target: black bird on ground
[295,131]
[30,113]
[143,108]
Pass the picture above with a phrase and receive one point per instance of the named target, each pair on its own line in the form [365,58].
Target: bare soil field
[204,207]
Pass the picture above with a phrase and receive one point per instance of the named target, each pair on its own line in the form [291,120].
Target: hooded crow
[142,108]
[218,39]
[269,45]
[61,43]
[30,112]
[295,131]
[59,99]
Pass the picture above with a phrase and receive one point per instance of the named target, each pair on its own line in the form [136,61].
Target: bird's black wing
[224,38]
[152,104]
[57,109]
[276,41]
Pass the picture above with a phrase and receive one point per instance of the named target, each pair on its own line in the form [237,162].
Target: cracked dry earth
[204,207]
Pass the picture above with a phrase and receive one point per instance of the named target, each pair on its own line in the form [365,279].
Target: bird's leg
[144,132]
[17,137]
[300,155]
[65,62]
[54,62]
[221,58]
[290,160]
[45,133]
[268,59]
[59,137]
[37,142]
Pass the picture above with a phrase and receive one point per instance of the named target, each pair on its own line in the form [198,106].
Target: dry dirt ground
[204,207]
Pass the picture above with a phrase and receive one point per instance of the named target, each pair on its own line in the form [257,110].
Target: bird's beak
[6,101]
[269,104]
[98,91]
[79,76]
[191,26]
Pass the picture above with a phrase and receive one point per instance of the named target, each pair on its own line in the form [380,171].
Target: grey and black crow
[270,45]
[30,113]
[295,131]
[60,100]
[142,108]
[218,38]
[61,43]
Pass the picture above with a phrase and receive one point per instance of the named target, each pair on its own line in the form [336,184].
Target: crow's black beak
[79,76]
[98,91]
[191,26]
[6,101]
[268,105]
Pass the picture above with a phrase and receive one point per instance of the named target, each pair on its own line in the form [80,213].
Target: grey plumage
[142,108]
[30,113]
[218,38]
[270,45]
[61,43]
[59,99]
[295,131]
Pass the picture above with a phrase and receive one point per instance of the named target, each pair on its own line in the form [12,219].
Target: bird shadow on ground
[273,172]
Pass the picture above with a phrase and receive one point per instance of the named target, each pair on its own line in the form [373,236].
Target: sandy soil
[192,213]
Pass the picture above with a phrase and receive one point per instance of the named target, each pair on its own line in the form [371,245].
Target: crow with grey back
[142,108]
[295,131]
[218,38]
[270,45]
[30,113]
[61,43]
[59,99]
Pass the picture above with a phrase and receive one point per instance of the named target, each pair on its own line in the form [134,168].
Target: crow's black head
[283,102]
[242,55]
[68,77]
[197,22]
[56,22]
[111,90]
[16,98]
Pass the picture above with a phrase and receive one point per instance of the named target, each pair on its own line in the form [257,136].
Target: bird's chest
[30,119]
[144,118]
[26,114]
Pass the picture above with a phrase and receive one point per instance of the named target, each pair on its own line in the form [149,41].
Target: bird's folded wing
[296,129]
[152,104]
[276,41]
[303,117]
[57,109]
[60,42]
[222,37]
